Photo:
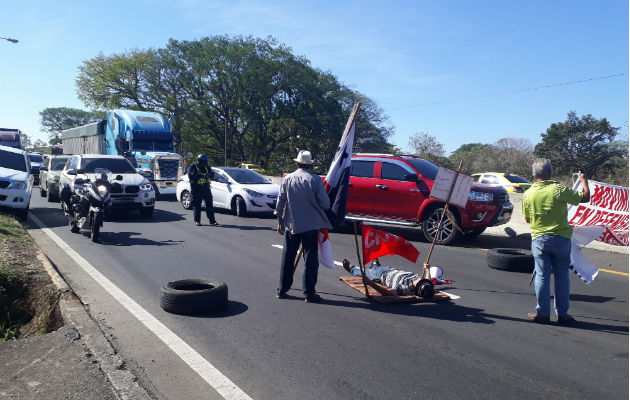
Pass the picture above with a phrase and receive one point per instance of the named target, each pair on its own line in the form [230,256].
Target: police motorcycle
[87,206]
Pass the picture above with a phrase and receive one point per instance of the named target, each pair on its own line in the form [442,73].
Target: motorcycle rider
[199,175]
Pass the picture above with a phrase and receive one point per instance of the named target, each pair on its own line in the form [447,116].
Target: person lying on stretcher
[394,282]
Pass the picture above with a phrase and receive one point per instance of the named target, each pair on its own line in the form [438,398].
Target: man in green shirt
[545,210]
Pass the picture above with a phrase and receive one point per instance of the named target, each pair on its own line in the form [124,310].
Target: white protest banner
[608,207]
[445,180]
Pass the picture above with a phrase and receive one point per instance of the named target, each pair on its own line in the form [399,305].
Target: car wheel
[73,227]
[240,209]
[186,200]
[42,192]
[193,296]
[50,197]
[96,227]
[147,211]
[448,231]
[511,259]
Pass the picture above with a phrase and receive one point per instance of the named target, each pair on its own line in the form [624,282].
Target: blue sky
[405,55]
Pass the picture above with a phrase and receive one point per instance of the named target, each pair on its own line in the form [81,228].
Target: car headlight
[253,193]
[102,190]
[17,185]
[146,186]
[482,197]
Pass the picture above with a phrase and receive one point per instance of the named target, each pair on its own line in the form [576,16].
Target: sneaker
[314,299]
[197,223]
[541,319]
[347,266]
[565,319]
[281,295]
[215,223]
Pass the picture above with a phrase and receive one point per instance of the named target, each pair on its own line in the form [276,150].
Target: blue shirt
[302,202]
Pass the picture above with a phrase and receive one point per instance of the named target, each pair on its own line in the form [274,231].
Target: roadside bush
[12,287]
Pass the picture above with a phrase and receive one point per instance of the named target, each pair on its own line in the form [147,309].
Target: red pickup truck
[394,189]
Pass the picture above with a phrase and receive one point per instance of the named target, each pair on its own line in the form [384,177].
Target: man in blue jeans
[545,210]
[302,202]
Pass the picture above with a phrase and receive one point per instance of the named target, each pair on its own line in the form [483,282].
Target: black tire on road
[186,200]
[96,227]
[448,232]
[51,197]
[73,227]
[511,259]
[193,296]
[42,192]
[240,209]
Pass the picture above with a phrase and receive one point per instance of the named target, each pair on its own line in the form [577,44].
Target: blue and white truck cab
[143,137]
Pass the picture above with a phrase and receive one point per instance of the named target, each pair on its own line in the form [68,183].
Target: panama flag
[336,184]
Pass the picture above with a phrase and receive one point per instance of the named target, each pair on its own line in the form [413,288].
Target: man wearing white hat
[301,206]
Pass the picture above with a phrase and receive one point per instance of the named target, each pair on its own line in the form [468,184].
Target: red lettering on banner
[581,213]
[623,200]
[596,198]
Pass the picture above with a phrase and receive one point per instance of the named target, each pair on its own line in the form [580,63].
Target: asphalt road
[477,346]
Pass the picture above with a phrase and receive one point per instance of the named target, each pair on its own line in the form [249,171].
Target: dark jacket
[196,176]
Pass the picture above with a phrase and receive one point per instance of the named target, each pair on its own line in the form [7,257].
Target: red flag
[380,243]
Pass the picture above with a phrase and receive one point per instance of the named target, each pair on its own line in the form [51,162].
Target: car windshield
[57,164]
[11,160]
[115,165]
[427,169]
[245,176]
[35,158]
[516,179]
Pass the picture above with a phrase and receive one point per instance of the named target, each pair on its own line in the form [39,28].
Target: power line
[461,99]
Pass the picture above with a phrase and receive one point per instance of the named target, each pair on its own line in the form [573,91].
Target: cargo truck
[10,138]
[143,137]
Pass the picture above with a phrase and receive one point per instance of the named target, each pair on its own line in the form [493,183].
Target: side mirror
[119,177]
[71,172]
[411,178]
[79,181]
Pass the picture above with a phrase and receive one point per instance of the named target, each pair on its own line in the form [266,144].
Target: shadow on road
[133,216]
[128,239]
[231,309]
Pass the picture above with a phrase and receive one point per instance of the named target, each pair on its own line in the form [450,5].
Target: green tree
[56,119]
[248,97]
[579,143]
[428,147]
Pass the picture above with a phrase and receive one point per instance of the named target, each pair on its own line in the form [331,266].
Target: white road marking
[224,386]
[452,296]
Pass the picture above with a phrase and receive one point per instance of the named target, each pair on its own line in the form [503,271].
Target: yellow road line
[610,271]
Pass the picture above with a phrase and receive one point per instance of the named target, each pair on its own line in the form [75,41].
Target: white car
[240,190]
[134,191]
[16,181]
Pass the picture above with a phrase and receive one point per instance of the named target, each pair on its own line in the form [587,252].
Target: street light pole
[9,40]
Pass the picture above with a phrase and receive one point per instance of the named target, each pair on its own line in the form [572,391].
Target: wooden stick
[297,258]
[450,192]
[361,266]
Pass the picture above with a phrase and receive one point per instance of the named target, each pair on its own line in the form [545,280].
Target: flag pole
[346,132]
[425,267]
[361,266]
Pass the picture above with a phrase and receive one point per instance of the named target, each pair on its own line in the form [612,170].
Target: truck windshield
[115,165]
[151,145]
[164,146]
[11,160]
